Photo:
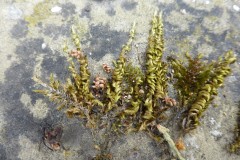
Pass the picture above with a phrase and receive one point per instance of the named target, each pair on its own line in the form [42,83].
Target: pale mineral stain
[33,150]
[28,150]
[38,110]
[7,46]
[205,49]
[217,25]
[14,12]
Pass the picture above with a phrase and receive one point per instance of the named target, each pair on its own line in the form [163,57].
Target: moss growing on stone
[133,99]
[40,12]
[197,83]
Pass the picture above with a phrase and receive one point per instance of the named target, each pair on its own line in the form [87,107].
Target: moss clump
[155,68]
[40,12]
[114,89]
[133,99]
[190,77]
[197,83]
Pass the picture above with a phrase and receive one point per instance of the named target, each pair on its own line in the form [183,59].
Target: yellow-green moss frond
[155,68]
[189,78]
[220,70]
[75,38]
[115,89]
[133,79]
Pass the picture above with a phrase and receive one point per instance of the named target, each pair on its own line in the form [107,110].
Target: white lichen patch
[38,66]
[5,62]
[38,110]
[217,25]
[212,121]
[181,21]
[216,133]
[191,141]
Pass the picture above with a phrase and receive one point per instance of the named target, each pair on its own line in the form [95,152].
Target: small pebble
[207,2]
[56,9]
[183,11]
[44,45]
[236,8]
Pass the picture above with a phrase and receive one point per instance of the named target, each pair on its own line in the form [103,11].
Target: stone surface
[32,33]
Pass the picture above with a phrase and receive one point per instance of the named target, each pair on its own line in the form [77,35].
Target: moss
[114,90]
[155,68]
[135,99]
[189,78]
[197,83]
[40,12]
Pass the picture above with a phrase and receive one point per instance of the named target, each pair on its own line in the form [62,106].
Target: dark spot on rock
[68,9]
[128,5]
[86,11]
[30,48]
[233,19]
[192,10]
[19,81]
[104,41]
[40,24]
[21,122]
[57,65]
[54,31]
[20,29]
[216,11]
[166,8]
[218,41]
[9,57]
[111,12]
